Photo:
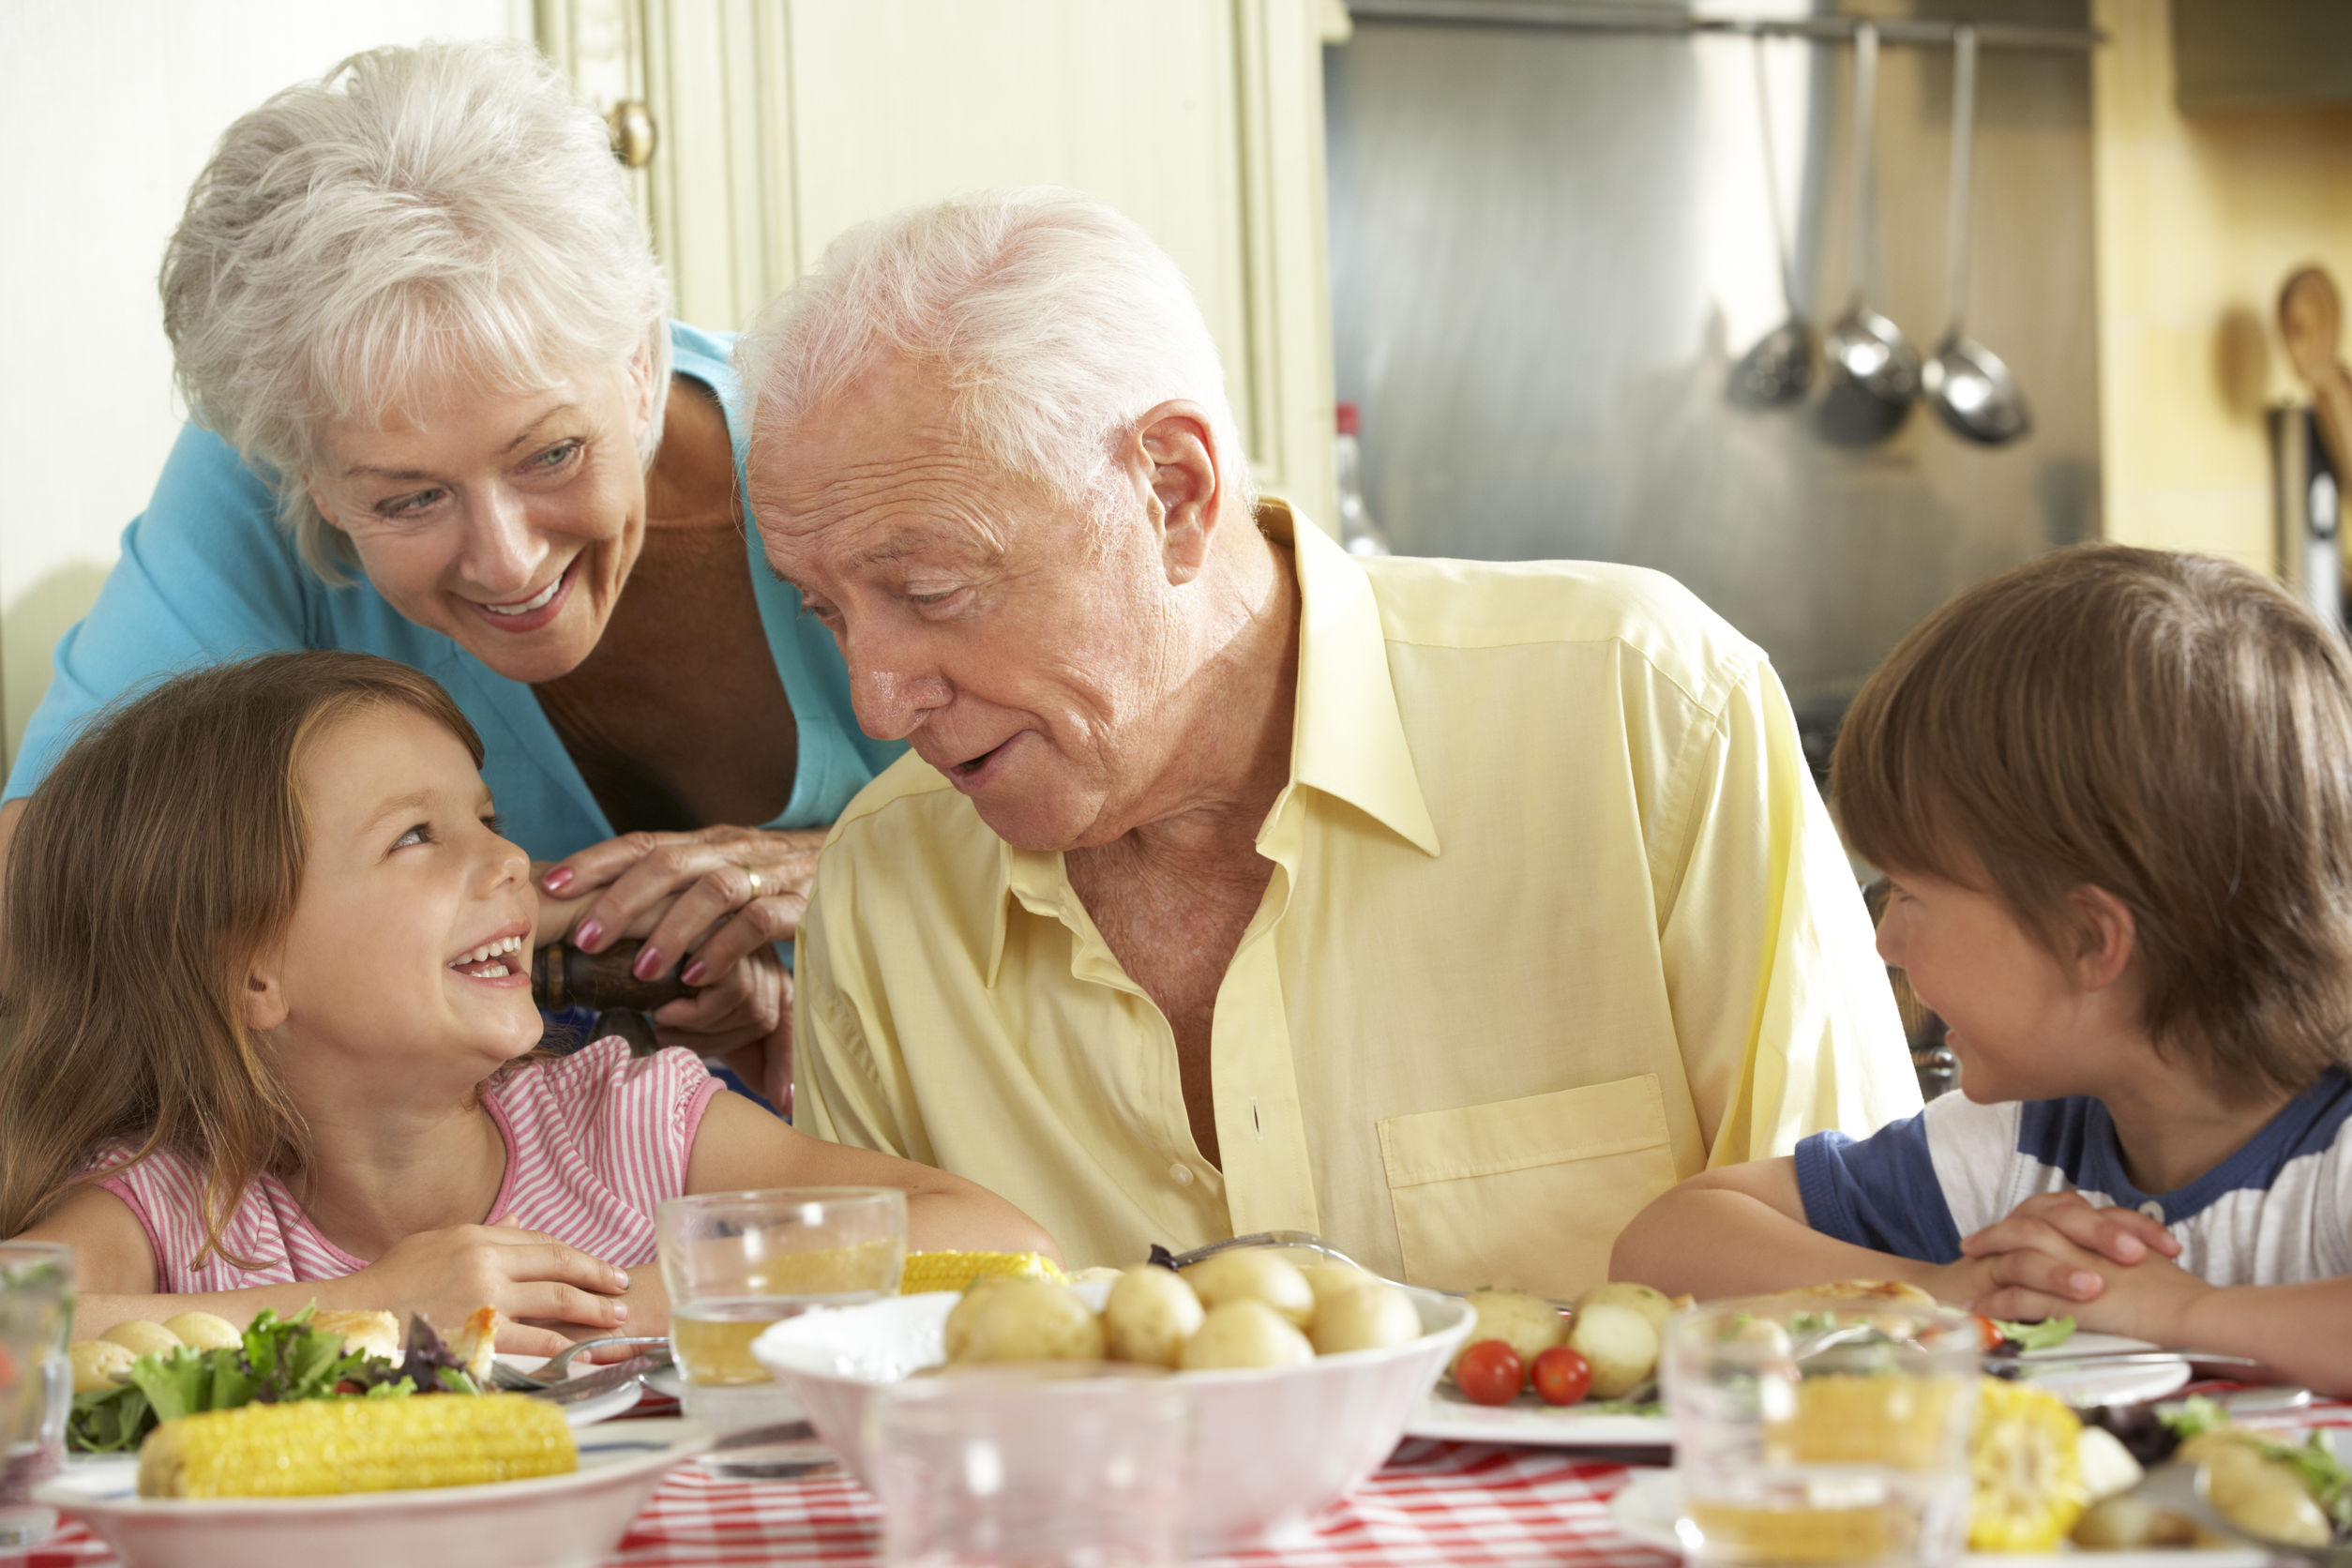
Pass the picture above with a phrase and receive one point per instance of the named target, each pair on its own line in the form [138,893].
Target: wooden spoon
[2311,319]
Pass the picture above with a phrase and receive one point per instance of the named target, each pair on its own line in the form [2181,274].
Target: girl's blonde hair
[158,860]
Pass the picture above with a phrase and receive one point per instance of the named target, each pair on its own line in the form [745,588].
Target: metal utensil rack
[1579,16]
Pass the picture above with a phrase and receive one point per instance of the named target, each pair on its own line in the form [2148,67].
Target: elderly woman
[440,415]
[1450,910]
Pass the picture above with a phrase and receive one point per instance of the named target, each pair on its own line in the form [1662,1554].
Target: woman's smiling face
[507,521]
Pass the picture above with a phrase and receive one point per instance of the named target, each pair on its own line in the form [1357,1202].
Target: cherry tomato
[1562,1375]
[1489,1373]
[1989,1332]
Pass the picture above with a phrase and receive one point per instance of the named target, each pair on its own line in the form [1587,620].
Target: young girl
[269,1034]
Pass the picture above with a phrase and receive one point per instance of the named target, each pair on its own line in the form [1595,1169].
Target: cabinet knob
[633,135]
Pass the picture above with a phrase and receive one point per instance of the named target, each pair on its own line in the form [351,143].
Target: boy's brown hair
[2173,729]
[158,859]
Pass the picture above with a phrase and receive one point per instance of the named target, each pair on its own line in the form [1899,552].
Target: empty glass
[1049,1465]
[35,1382]
[1822,1431]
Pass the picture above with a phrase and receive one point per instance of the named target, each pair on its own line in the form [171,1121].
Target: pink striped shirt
[593,1140]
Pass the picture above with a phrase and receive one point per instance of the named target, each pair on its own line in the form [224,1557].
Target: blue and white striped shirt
[2277,1212]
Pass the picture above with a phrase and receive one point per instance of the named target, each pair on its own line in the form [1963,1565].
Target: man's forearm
[1712,1242]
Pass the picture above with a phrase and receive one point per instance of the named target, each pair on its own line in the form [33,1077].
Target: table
[1434,1504]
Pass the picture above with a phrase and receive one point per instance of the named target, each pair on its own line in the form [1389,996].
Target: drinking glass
[1822,1431]
[737,1262]
[1067,1465]
[35,1382]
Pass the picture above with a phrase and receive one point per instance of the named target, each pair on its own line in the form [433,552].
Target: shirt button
[1180,1174]
[2153,1210]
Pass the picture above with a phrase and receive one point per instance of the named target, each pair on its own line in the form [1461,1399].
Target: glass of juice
[736,1262]
[1822,1430]
[36,1382]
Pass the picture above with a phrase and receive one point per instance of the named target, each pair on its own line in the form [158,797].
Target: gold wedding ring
[754,879]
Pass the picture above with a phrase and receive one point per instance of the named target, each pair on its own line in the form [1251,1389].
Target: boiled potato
[1256,1276]
[1033,1320]
[203,1331]
[1245,1332]
[1529,1324]
[1328,1279]
[142,1339]
[2108,1468]
[1621,1346]
[1150,1316]
[98,1364]
[1372,1317]
[1654,1304]
[957,1330]
[2256,1492]
[2124,1523]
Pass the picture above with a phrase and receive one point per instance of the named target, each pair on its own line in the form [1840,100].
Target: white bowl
[551,1521]
[1271,1449]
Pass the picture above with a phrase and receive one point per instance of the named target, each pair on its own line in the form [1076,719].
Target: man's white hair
[414,218]
[1054,320]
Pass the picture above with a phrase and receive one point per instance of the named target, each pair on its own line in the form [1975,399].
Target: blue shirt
[207,574]
[2278,1211]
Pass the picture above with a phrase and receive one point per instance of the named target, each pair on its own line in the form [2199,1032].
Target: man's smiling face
[1020,644]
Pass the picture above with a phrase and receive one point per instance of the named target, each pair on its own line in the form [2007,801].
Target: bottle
[1358,536]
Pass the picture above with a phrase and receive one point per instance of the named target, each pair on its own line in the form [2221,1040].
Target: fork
[559,1367]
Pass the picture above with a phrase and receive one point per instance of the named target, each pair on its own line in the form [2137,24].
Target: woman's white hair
[415,216]
[1054,320]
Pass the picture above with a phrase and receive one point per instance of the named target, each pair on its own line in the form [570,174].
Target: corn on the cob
[955,1271]
[2028,1467]
[318,1446]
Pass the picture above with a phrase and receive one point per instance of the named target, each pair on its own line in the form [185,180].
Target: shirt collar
[1346,740]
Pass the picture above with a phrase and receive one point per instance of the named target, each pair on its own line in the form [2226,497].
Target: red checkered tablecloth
[1435,1504]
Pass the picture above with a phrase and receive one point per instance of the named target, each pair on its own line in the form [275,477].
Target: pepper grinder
[563,976]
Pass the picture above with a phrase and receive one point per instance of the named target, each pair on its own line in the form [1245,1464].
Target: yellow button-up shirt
[1557,918]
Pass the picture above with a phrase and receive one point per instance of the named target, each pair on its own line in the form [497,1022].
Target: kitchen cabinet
[779,123]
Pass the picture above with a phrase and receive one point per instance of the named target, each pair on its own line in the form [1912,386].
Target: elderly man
[1451,910]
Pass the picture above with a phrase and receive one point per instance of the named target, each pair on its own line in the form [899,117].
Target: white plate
[2103,1385]
[1530,1421]
[1646,1511]
[553,1521]
[1446,1414]
[587,1412]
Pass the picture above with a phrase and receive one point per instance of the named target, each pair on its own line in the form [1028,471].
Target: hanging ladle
[1965,380]
[1874,371]
[1779,365]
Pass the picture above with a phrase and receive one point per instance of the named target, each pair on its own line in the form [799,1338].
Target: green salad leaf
[279,1360]
[2047,1335]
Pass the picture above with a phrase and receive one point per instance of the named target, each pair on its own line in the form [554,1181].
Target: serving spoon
[1874,371]
[1778,367]
[1967,381]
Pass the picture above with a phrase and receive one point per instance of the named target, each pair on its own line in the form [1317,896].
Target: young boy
[2113,789]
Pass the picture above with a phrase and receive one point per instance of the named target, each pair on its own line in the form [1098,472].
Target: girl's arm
[739,1147]
[1741,1229]
[446,1275]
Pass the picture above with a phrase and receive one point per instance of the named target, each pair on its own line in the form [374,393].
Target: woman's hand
[447,1275]
[704,901]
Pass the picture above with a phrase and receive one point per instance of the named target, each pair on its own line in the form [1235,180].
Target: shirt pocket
[1526,1193]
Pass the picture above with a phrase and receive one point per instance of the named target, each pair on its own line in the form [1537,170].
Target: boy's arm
[2296,1329]
[739,1147]
[1742,1230]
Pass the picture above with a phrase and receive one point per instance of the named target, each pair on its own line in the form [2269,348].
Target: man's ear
[1179,448]
[2106,936]
[263,998]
